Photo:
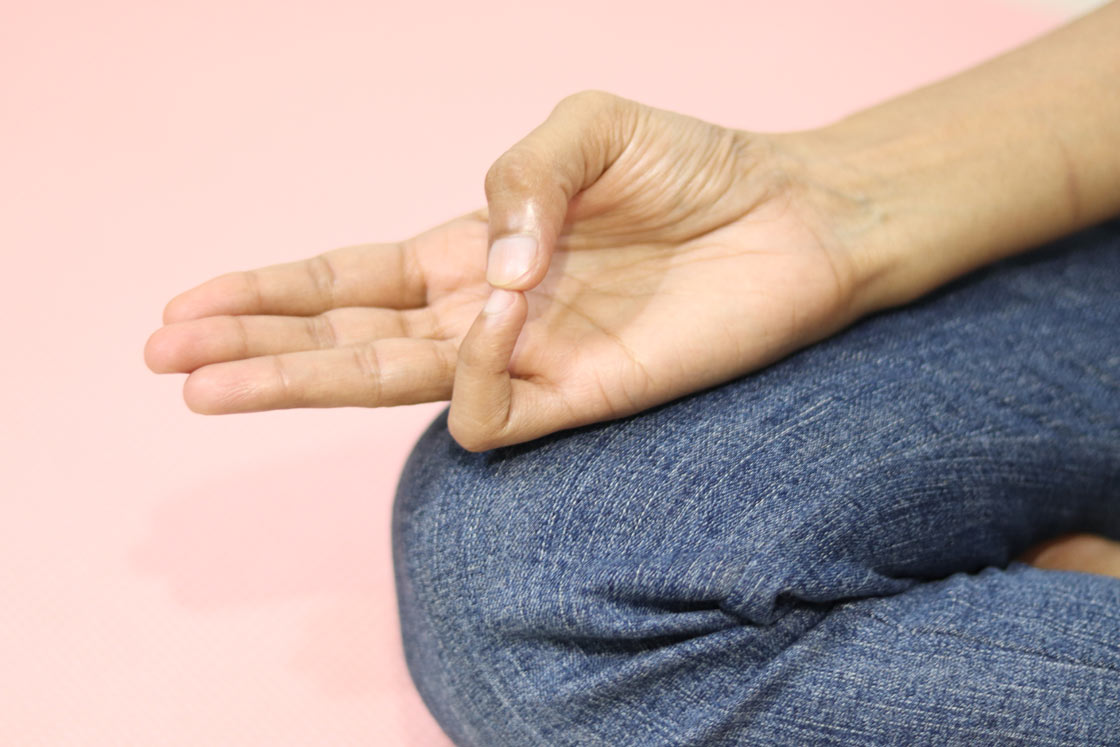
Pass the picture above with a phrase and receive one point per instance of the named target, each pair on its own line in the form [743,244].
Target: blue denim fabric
[817,553]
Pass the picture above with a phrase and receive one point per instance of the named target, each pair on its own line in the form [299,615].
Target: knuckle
[282,378]
[467,434]
[516,171]
[251,283]
[236,324]
[322,331]
[588,99]
[323,277]
[369,367]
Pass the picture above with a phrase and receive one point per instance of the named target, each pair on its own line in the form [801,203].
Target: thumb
[529,187]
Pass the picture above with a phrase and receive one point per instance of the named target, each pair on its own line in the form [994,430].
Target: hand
[660,255]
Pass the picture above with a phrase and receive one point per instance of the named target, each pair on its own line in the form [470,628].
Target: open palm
[671,255]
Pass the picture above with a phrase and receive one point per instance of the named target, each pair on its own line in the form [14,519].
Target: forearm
[996,160]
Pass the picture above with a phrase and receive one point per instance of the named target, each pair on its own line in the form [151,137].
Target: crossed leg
[822,552]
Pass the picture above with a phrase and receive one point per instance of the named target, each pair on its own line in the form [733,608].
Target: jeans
[821,552]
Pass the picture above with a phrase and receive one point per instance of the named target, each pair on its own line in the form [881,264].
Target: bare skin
[629,255]
[685,264]
[1086,553]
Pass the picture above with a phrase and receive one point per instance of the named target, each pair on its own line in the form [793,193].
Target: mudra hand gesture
[628,256]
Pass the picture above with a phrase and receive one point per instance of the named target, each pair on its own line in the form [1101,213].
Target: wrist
[994,161]
[915,202]
[843,194]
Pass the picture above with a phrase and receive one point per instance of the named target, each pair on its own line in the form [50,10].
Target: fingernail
[511,257]
[499,301]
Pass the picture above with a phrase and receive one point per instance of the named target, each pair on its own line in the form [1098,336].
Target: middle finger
[181,347]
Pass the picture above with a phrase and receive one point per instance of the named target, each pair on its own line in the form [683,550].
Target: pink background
[173,579]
